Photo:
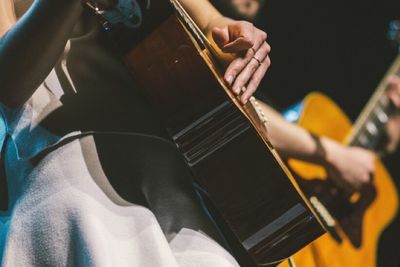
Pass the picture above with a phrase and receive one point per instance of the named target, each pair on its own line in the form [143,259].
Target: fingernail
[236,90]
[229,79]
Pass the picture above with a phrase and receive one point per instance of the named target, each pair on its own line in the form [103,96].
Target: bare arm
[7,15]
[31,47]
[290,139]
[349,167]
[198,8]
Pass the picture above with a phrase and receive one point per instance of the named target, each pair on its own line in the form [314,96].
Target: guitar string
[261,118]
[373,102]
[194,27]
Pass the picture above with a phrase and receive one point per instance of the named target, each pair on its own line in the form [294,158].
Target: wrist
[323,152]
[330,151]
[218,21]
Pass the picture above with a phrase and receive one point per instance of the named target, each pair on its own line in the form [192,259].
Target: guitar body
[262,212]
[360,227]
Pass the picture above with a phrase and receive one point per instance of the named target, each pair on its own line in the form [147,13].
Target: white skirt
[64,212]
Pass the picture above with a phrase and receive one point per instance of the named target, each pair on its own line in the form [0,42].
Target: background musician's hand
[246,71]
[349,167]
[393,125]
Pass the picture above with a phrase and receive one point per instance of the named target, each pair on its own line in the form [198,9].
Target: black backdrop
[339,48]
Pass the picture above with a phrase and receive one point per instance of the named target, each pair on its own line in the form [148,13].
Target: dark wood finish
[234,165]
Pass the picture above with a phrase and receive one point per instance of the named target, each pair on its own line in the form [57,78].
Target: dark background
[339,48]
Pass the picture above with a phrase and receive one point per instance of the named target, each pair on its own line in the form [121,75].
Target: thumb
[220,36]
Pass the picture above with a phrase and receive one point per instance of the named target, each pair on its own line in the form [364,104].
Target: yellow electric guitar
[354,223]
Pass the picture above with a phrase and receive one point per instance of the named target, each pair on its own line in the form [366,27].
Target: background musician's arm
[242,38]
[349,167]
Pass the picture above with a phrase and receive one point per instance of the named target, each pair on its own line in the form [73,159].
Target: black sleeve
[30,49]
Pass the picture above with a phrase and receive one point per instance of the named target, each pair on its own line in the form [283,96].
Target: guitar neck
[369,128]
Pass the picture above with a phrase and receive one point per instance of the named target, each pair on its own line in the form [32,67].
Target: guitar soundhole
[348,214]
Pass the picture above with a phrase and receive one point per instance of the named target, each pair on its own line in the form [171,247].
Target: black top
[103,95]
[99,93]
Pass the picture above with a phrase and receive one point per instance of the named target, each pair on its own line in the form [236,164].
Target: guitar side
[321,116]
[259,205]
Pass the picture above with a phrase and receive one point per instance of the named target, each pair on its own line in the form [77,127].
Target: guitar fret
[370,134]
[381,115]
[384,102]
[371,128]
[363,140]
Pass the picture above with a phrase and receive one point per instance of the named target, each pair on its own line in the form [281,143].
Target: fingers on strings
[245,73]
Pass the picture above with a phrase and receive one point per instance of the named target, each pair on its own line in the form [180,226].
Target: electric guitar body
[354,225]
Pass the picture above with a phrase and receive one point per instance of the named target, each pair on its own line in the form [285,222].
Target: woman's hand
[242,38]
[246,71]
[349,167]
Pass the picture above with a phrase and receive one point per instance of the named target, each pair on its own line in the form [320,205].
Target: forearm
[293,141]
[197,9]
[31,48]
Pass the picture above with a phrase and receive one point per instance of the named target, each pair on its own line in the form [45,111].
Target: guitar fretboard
[369,129]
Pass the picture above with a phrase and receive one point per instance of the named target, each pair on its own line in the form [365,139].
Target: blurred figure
[350,168]
[355,167]
[240,9]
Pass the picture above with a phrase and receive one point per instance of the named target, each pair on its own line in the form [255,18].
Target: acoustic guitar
[264,214]
[354,223]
